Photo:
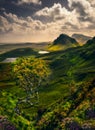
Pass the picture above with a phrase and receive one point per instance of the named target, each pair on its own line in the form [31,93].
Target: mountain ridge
[62,42]
[64,39]
[82,39]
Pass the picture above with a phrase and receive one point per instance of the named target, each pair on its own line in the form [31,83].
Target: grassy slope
[70,69]
[75,67]
[60,47]
[72,62]
[63,42]
[18,53]
[71,110]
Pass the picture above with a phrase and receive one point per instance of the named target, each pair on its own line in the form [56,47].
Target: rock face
[64,39]
[82,39]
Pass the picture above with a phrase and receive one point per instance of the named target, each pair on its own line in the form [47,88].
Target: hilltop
[63,42]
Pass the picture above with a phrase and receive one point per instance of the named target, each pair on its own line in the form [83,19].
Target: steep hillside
[63,42]
[75,112]
[73,61]
[91,41]
[75,109]
[82,39]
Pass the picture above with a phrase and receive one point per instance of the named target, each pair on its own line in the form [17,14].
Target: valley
[66,97]
[47,64]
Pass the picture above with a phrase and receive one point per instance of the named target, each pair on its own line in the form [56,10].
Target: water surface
[8,60]
[43,52]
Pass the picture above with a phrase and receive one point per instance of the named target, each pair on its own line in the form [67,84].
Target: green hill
[75,60]
[67,98]
[63,42]
[74,69]
[20,52]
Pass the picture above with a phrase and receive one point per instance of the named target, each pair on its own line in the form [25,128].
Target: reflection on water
[7,60]
[43,52]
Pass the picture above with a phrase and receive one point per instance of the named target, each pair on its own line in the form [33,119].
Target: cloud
[79,16]
[22,23]
[59,16]
[47,23]
[19,28]
[2,9]
[38,2]
[84,9]
[4,25]
[53,13]
[92,2]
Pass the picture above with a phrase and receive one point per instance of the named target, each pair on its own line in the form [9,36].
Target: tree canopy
[29,73]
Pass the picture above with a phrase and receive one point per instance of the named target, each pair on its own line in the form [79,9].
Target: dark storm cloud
[26,9]
[49,3]
[23,10]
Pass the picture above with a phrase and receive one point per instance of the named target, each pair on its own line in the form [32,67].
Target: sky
[44,20]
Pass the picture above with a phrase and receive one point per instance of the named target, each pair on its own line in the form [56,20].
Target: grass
[20,52]
[64,94]
[59,47]
[55,47]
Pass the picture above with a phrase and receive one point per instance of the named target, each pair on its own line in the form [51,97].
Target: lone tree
[29,73]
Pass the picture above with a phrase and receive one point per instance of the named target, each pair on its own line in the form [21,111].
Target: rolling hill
[63,42]
[6,47]
[20,52]
[67,98]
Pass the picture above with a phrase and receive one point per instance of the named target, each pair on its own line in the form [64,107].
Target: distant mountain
[63,42]
[8,47]
[82,39]
[91,41]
